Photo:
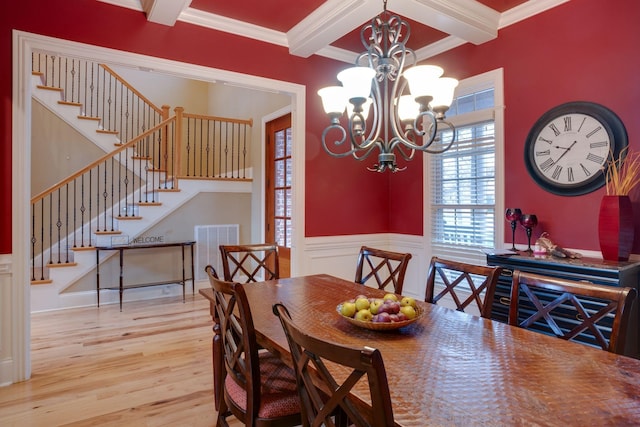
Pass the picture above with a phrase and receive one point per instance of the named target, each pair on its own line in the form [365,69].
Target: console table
[152,246]
[592,270]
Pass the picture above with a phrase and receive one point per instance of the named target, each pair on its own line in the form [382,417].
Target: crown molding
[233,26]
[527,10]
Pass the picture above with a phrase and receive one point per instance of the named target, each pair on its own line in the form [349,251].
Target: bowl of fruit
[386,313]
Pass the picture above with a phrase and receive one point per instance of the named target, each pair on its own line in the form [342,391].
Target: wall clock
[568,147]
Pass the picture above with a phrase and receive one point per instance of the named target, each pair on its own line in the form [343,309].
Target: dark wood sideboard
[584,269]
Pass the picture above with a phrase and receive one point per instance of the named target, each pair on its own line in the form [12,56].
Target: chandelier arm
[366,152]
[447,145]
[398,146]
[429,136]
[336,142]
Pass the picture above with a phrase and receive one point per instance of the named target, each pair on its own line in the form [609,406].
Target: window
[464,184]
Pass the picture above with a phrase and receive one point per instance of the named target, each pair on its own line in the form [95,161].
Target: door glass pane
[281,232]
[288,173]
[280,144]
[288,131]
[288,232]
[280,173]
[280,202]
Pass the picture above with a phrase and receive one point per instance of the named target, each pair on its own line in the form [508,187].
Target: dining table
[450,368]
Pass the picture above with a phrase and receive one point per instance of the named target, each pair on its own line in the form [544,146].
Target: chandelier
[408,101]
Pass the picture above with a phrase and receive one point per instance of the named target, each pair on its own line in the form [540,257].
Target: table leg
[98,275]
[193,272]
[184,280]
[121,290]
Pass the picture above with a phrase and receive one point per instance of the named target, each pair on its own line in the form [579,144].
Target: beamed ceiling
[331,28]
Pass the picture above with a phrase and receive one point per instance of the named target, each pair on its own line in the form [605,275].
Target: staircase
[154,193]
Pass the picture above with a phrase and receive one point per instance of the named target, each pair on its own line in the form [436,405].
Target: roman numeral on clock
[596,159]
[546,165]
[567,124]
[596,130]
[585,170]
[570,176]
[557,172]
[598,144]
[554,128]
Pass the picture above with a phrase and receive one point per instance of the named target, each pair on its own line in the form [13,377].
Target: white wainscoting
[337,255]
[6,322]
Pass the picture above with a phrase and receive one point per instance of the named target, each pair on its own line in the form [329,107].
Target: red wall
[581,50]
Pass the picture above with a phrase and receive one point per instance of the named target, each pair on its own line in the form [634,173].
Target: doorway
[278,188]
[16,330]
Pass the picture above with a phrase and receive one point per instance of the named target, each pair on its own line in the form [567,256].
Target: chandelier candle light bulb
[408,105]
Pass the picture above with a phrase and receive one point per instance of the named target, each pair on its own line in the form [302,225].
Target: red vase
[615,228]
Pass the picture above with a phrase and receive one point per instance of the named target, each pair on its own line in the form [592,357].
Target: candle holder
[513,215]
[529,221]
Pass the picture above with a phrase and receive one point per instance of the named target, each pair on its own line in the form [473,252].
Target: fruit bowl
[379,326]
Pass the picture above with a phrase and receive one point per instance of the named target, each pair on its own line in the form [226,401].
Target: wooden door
[278,189]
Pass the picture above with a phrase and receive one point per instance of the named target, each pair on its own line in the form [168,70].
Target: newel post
[164,132]
[177,163]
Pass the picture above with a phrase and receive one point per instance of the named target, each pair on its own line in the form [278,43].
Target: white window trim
[495,79]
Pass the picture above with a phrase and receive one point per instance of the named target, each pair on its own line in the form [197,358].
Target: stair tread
[62,264]
[42,282]
[89,118]
[107,232]
[49,88]
[75,104]
[113,132]
[83,248]
[125,218]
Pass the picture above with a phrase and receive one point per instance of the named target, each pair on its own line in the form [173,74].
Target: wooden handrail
[131,88]
[107,156]
[216,118]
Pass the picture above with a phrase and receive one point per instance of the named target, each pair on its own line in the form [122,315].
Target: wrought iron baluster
[208,148]
[244,154]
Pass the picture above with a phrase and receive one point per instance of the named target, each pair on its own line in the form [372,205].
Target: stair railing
[69,215]
[91,201]
[100,93]
[215,147]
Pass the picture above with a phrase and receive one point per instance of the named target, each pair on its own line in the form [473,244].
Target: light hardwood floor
[149,365]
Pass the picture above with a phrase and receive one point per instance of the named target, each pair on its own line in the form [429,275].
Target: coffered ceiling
[331,28]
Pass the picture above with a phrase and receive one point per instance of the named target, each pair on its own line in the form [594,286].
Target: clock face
[569,147]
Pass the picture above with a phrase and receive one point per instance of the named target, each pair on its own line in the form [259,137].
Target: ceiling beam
[165,12]
[468,20]
[328,23]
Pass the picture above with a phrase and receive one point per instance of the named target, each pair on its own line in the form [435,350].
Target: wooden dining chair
[325,399]
[386,267]
[250,263]
[568,308]
[216,346]
[257,388]
[460,279]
